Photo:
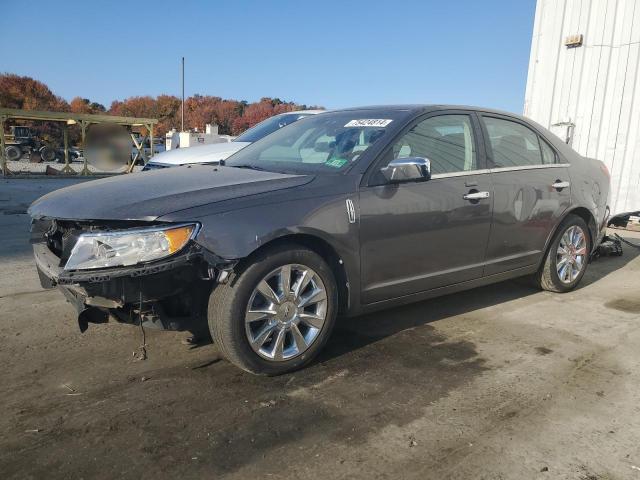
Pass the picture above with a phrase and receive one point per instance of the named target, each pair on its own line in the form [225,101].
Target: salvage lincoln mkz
[338,214]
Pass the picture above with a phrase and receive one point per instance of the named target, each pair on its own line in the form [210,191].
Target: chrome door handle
[560,185]
[476,195]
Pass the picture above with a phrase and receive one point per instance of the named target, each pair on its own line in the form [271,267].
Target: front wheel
[567,257]
[276,314]
[13,153]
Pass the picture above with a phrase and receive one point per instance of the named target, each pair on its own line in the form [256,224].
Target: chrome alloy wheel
[571,256]
[286,312]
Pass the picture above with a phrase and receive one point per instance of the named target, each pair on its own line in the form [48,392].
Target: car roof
[417,108]
[303,112]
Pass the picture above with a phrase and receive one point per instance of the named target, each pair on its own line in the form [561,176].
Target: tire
[48,154]
[232,303]
[13,153]
[549,276]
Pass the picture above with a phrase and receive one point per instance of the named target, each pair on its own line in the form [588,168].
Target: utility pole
[182,116]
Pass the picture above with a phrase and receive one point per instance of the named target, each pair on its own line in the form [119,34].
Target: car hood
[200,154]
[149,195]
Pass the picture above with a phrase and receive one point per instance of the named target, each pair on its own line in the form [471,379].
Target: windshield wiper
[249,167]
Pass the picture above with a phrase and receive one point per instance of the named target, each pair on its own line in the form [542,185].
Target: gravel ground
[501,382]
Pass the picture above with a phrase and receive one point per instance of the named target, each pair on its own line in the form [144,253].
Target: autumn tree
[232,116]
[84,105]
[28,94]
[254,113]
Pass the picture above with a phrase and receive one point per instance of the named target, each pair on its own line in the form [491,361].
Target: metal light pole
[182,116]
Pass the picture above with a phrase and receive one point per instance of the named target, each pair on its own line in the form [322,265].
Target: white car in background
[215,152]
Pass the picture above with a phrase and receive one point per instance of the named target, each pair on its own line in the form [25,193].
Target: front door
[419,236]
[532,190]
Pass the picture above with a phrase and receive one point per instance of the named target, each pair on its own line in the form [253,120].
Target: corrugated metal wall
[595,87]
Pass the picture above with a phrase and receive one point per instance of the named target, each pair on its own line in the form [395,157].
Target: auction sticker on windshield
[369,122]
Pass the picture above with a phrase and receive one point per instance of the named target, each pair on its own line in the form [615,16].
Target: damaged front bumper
[52,274]
[170,294]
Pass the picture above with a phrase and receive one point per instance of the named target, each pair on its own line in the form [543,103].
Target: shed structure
[584,85]
[85,120]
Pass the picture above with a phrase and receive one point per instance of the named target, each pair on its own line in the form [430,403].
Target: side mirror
[410,169]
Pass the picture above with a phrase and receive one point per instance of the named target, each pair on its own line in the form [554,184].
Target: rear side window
[513,144]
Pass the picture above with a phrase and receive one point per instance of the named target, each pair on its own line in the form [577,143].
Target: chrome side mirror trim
[410,169]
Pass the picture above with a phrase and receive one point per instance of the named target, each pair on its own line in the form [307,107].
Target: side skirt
[438,292]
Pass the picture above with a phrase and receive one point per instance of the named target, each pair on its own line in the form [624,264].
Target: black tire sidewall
[243,285]
[11,148]
[570,221]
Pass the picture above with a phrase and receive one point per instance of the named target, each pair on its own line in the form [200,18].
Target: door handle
[476,195]
[559,185]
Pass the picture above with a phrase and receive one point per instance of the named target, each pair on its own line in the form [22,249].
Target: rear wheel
[567,257]
[277,314]
[47,153]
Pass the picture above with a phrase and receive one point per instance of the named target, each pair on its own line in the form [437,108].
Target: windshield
[326,143]
[268,126]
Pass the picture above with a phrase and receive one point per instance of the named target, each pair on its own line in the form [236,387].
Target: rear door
[424,235]
[531,190]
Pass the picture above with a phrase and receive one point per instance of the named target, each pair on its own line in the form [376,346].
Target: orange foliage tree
[84,105]
[231,116]
[29,94]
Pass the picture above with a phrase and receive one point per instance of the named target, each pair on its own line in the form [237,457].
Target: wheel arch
[322,248]
[589,219]
[581,212]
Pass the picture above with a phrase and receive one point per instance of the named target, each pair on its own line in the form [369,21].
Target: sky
[333,53]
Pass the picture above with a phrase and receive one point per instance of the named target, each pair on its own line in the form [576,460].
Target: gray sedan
[335,215]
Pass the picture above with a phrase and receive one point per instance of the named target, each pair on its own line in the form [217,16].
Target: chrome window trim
[463,173]
[485,171]
[529,167]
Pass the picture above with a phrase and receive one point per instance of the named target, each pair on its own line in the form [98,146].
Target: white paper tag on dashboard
[369,122]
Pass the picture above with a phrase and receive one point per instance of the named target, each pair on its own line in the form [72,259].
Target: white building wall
[595,87]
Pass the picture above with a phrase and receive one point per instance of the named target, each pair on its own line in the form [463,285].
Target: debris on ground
[72,391]
[609,247]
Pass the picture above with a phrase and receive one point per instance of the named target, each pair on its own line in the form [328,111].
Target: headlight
[127,247]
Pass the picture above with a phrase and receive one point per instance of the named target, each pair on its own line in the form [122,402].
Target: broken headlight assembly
[128,247]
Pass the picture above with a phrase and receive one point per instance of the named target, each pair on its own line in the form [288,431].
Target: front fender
[236,234]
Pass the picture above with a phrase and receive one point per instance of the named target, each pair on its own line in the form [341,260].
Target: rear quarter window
[548,154]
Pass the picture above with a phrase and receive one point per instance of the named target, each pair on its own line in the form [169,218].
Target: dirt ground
[501,382]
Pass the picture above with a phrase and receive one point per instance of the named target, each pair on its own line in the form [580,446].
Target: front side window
[512,144]
[446,140]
